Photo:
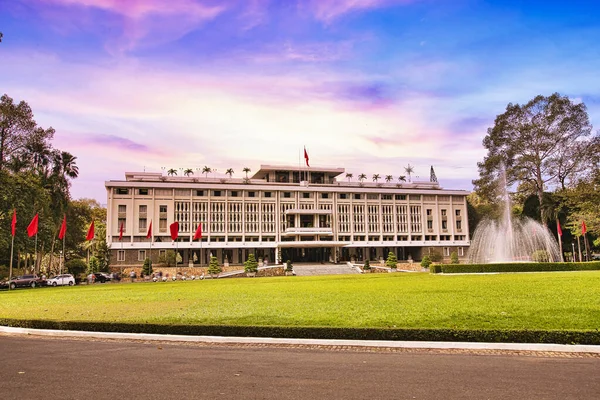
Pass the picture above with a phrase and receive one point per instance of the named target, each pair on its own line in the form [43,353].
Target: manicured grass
[535,301]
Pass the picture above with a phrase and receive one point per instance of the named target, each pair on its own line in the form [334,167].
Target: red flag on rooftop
[198,234]
[90,234]
[306,157]
[32,229]
[63,228]
[174,230]
[149,234]
[558,230]
[583,228]
[13,225]
[121,232]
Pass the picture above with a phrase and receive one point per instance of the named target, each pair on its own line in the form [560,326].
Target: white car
[64,279]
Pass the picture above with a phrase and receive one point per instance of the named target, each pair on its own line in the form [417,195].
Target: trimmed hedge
[514,267]
[440,335]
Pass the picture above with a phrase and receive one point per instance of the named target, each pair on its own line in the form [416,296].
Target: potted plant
[214,269]
[392,261]
[251,266]
[367,266]
[289,268]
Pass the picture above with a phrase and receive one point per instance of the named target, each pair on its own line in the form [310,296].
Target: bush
[94,265]
[392,261]
[76,267]
[519,267]
[288,266]
[426,262]
[454,258]
[435,269]
[147,268]
[367,265]
[540,256]
[213,267]
[168,258]
[436,256]
[251,265]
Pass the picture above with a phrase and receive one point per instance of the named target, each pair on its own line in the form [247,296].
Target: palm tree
[362,177]
[206,170]
[388,178]
[402,178]
[376,177]
[229,172]
[172,172]
[409,170]
[246,170]
[349,176]
[188,172]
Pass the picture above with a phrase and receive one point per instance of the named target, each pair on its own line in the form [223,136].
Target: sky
[368,85]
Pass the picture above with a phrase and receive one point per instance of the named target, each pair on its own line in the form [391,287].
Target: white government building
[283,213]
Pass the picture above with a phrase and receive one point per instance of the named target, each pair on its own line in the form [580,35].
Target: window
[143,224]
[143,209]
[251,194]
[386,196]
[429,212]
[430,224]
[217,193]
[446,251]
[287,195]
[357,196]
[400,197]
[122,191]
[444,224]
[142,255]
[343,196]
[372,196]
[306,195]
[443,212]
[457,213]
[162,225]
[162,209]
[199,192]
[460,252]
[121,255]
[143,192]
[267,194]
[458,225]
[415,197]
[122,222]
[324,195]
[122,209]
[234,193]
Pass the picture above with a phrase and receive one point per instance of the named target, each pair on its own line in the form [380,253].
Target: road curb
[563,348]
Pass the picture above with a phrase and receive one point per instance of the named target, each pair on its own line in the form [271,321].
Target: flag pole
[12,245]
[587,255]
[35,254]
[579,247]
[559,232]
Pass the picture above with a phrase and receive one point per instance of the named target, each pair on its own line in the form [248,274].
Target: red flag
[63,228]
[90,234]
[174,230]
[149,234]
[583,228]
[198,234]
[306,156]
[32,229]
[558,230]
[13,224]
[121,232]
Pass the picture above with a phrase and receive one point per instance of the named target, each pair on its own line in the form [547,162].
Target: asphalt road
[57,368]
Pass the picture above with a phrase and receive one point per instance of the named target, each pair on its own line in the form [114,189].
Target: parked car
[26,280]
[59,280]
[98,277]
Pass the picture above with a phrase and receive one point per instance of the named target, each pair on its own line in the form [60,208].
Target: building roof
[265,169]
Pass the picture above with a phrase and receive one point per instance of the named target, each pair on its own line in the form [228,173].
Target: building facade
[282,213]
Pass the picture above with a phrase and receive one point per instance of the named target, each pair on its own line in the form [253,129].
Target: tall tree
[206,170]
[229,172]
[16,125]
[546,142]
[349,176]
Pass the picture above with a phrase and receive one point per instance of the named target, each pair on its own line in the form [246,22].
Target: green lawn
[546,301]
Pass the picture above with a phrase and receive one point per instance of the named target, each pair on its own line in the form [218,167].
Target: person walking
[132,275]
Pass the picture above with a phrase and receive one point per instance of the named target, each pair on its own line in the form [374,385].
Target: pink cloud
[328,10]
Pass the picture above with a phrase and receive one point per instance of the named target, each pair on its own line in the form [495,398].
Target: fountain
[512,240]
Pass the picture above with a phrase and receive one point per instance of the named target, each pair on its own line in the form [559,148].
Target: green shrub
[288,266]
[426,262]
[540,256]
[94,265]
[367,265]
[147,268]
[519,267]
[392,261]
[213,267]
[251,265]
[435,269]
[76,267]
[454,258]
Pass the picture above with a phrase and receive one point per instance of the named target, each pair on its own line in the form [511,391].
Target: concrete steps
[323,269]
